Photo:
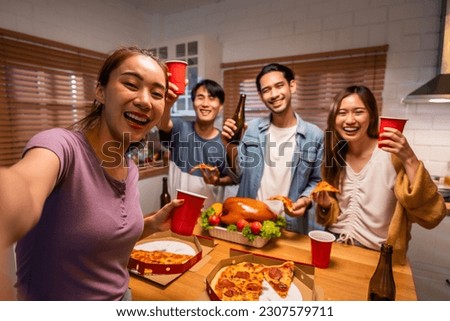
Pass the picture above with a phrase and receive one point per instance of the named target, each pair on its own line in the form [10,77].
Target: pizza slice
[159,257]
[201,167]
[323,186]
[280,277]
[240,282]
[287,202]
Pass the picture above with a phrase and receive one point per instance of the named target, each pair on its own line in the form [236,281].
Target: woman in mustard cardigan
[382,190]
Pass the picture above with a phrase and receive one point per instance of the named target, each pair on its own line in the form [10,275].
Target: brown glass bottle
[382,285]
[165,196]
[239,118]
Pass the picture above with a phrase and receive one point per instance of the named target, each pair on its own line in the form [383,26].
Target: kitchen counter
[346,278]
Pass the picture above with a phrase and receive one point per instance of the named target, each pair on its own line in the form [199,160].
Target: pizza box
[236,237]
[164,274]
[302,287]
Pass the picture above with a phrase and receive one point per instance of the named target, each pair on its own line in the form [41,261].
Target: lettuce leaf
[205,216]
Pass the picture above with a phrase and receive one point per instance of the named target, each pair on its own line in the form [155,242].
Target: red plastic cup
[397,123]
[185,216]
[177,69]
[321,242]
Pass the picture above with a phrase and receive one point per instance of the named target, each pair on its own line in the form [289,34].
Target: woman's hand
[396,143]
[160,221]
[165,124]
[322,199]
[171,96]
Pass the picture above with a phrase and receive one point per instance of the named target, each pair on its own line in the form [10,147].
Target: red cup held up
[397,123]
[177,70]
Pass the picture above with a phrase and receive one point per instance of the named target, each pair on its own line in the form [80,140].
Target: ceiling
[166,7]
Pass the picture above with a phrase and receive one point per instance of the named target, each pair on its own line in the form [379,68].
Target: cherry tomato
[241,224]
[256,227]
[214,220]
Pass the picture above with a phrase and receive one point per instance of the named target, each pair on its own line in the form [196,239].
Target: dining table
[346,278]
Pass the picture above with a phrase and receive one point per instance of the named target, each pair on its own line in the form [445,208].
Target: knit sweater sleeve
[422,202]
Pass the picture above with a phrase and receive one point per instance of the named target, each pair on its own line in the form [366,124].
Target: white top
[367,202]
[277,174]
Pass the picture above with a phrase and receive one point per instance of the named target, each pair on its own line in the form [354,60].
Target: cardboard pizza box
[164,274]
[236,237]
[303,281]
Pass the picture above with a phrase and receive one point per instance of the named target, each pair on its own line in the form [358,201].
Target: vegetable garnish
[268,230]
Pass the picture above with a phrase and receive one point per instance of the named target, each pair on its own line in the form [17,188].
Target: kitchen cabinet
[430,261]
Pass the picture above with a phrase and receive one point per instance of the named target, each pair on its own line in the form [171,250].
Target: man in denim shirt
[279,154]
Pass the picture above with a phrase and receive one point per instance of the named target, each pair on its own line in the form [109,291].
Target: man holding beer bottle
[280,153]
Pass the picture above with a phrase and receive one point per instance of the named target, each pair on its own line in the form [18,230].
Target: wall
[150,189]
[97,25]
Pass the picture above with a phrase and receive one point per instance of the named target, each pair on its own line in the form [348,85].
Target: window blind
[319,78]
[43,84]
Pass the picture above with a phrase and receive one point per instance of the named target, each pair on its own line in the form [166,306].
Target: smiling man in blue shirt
[279,154]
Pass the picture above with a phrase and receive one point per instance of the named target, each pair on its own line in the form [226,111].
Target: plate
[167,246]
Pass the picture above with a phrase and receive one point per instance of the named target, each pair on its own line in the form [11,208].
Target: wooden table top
[346,279]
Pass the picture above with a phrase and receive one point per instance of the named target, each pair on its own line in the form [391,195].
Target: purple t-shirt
[90,222]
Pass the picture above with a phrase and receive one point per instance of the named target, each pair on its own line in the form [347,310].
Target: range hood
[437,90]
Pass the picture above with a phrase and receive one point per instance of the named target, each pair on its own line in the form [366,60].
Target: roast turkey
[236,208]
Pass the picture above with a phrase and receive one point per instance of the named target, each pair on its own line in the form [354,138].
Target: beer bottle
[165,196]
[239,118]
[382,285]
